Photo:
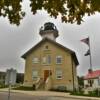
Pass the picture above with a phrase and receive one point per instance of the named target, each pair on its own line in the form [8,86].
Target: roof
[93,74]
[61,46]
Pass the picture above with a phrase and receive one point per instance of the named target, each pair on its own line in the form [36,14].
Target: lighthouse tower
[49,31]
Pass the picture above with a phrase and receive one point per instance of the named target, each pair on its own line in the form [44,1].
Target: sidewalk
[50,93]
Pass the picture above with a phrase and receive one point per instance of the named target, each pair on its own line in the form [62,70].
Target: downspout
[72,72]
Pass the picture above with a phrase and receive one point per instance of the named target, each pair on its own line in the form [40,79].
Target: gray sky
[15,41]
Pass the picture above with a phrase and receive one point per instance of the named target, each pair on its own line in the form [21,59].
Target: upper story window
[58,59]
[44,60]
[34,74]
[35,60]
[47,60]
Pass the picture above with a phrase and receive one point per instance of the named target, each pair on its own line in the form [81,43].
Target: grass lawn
[90,94]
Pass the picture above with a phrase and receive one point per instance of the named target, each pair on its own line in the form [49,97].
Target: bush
[3,86]
[95,93]
[59,89]
[77,93]
[34,87]
[26,88]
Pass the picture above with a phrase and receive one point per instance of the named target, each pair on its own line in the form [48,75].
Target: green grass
[3,86]
[90,94]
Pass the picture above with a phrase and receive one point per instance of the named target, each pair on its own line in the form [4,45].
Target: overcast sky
[15,41]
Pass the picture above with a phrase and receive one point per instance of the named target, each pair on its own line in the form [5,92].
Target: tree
[71,11]
[12,10]
[81,82]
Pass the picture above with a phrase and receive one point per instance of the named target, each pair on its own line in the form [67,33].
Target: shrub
[26,88]
[3,86]
[59,89]
[34,87]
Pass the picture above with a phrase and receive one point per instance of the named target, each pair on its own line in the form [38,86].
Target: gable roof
[93,74]
[61,46]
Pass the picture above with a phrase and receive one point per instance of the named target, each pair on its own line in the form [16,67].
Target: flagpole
[90,55]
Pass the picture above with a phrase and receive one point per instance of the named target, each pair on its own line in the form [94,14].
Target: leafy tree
[81,82]
[12,10]
[70,11]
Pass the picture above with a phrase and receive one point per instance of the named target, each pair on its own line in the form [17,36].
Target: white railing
[38,82]
[48,83]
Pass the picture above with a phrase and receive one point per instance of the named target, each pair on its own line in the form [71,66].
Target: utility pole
[9,91]
[9,85]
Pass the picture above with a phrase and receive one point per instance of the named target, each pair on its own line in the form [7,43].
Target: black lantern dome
[49,30]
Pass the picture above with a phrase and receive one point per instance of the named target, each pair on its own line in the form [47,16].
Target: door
[46,74]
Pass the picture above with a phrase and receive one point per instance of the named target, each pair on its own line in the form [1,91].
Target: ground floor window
[34,74]
[58,74]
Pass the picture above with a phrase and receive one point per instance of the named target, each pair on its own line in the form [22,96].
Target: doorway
[46,74]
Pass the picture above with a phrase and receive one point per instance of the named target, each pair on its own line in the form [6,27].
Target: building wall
[95,83]
[49,35]
[66,66]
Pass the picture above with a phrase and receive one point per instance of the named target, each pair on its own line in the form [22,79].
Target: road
[22,96]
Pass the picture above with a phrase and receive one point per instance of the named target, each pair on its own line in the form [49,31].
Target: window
[58,74]
[44,60]
[35,60]
[90,81]
[58,59]
[47,60]
[46,47]
[34,74]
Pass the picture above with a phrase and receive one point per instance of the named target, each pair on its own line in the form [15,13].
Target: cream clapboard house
[50,65]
